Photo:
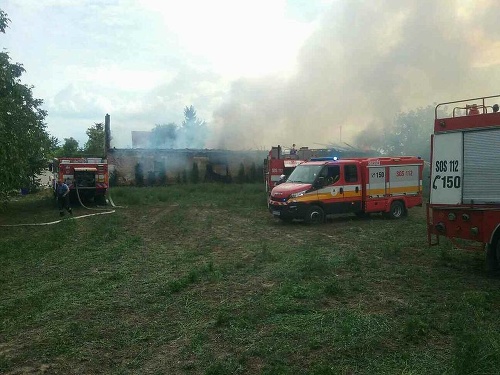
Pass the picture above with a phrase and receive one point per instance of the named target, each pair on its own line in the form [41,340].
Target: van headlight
[299,194]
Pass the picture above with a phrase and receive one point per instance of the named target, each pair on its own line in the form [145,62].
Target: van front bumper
[292,211]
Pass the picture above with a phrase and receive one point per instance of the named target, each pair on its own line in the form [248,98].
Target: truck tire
[493,257]
[315,215]
[396,211]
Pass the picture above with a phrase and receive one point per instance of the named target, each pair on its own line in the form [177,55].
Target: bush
[241,174]
[252,174]
[195,174]
[151,178]
[139,175]
[162,176]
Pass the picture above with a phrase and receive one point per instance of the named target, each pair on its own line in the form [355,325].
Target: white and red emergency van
[325,186]
[465,176]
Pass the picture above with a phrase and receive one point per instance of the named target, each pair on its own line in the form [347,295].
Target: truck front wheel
[396,211]
[315,215]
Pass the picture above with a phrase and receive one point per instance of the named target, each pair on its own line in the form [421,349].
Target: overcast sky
[260,72]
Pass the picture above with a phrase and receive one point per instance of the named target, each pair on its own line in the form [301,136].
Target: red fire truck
[279,163]
[89,175]
[325,186]
[465,177]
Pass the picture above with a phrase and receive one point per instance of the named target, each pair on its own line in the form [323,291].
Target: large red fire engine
[87,176]
[465,177]
[324,186]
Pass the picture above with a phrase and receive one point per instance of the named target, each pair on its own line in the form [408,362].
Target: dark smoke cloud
[367,61]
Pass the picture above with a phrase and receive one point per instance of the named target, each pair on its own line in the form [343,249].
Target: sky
[260,72]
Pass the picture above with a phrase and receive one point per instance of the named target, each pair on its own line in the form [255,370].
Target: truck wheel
[315,215]
[493,257]
[396,211]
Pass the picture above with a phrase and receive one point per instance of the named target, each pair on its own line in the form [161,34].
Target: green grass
[200,279]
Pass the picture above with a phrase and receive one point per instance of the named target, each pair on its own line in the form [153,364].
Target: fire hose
[105,211]
[92,208]
[57,221]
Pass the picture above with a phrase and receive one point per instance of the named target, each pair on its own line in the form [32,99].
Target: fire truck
[324,186]
[464,201]
[88,177]
[278,165]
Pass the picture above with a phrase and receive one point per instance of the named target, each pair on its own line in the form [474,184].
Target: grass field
[200,279]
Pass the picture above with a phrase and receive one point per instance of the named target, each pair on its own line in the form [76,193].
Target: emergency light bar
[325,158]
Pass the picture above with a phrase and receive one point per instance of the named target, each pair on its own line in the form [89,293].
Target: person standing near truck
[63,198]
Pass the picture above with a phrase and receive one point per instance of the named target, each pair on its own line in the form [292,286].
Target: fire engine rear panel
[447,162]
[465,168]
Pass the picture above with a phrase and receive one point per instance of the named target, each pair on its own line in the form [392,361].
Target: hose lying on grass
[105,211]
[57,221]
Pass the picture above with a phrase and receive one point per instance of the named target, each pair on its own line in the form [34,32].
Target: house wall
[124,161]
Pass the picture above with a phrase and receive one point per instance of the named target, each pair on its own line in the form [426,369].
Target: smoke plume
[367,61]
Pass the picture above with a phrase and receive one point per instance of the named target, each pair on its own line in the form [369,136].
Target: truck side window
[331,174]
[351,173]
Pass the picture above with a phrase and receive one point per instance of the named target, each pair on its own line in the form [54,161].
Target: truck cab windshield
[305,174]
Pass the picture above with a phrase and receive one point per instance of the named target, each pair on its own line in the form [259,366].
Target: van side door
[331,191]
[352,196]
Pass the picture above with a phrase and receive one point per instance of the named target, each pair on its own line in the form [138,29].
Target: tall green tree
[24,143]
[69,149]
[95,144]
[193,132]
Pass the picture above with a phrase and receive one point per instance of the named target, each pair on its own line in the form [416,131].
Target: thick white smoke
[366,62]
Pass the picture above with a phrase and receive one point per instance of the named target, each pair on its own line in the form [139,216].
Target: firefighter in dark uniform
[63,198]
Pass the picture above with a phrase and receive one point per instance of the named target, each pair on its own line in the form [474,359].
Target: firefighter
[293,150]
[473,110]
[63,198]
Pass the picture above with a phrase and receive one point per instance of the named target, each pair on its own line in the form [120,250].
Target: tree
[241,174]
[95,144]
[139,175]
[252,174]
[164,136]
[195,174]
[409,134]
[69,149]
[193,131]
[162,175]
[24,142]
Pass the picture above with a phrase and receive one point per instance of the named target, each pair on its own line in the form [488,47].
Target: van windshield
[305,174]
